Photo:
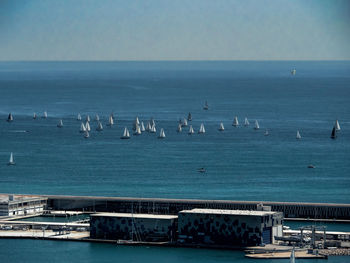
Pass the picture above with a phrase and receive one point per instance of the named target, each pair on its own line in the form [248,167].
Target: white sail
[126,134]
[87,126]
[179,128]
[87,118]
[34,116]
[221,128]
[11,161]
[79,117]
[82,128]
[148,127]
[99,127]
[97,118]
[257,127]
[45,115]
[298,135]
[190,131]
[110,120]
[201,129]
[60,124]
[266,132]
[153,129]
[292,256]
[137,130]
[235,122]
[161,134]
[86,134]
[293,71]
[184,122]
[153,123]
[137,121]
[142,127]
[337,126]
[246,122]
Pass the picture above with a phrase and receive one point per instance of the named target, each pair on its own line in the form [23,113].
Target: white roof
[228,212]
[129,215]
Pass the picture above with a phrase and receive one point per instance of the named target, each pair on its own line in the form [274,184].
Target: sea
[240,163]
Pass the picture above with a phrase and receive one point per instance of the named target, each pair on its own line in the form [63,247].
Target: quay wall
[173,206]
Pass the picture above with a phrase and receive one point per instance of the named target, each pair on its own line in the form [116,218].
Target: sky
[174,30]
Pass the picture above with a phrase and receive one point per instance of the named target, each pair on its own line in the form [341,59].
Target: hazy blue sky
[174,29]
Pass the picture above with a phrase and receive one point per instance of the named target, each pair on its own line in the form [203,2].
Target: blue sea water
[241,163]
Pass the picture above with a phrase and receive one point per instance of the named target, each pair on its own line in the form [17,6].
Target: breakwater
[173,206]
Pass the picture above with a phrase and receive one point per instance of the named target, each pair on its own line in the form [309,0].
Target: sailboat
[256,127]
[82,128]
[189,117]
[235,122]
[201,129]
[87,126]
[246,122]
[142,127]
[298,135]
[190,131]
[179,128]
[137,130]
[86,134]
[79,117]
[110,121]
[221,128]
[148,127]
[99,127]
[153,129]
[136,123]
[334,133]
[153,123]
[293,71]
[34,116]
[266,132]
[11,161]
[10,118]
[60,124]
[88,118]
[97,118]
[292,256]
[206,106]
[184,123]
[126,134]
[337,126]
[45,115]
[161,134]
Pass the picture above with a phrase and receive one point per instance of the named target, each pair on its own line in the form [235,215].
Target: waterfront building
[11,205]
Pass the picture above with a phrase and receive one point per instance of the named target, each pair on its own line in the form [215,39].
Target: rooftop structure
[11,205]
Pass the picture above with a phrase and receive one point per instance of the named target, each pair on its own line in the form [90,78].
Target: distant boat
[266,132]
[161,134]
[235,122]
[292,256]
[148,127]
[191,131]
[10,118]
[246,122]
[206,106]
[11,161]
[201,129]
[334,133]
[110,121]
[201,170]
[87,126]
[153,129]
[126,134]
[221,128]
[45,115]
[311,166]
[136,123]
[97,118]
[153,123]
[34,116]
[142,127]
[189,117]
[137,130]
[184,122]
[60,124]
[179,128]
[256,127]
[99,126]
[298,135]
[293,71]
[88,118]
[82,128]
[86,134]
[337,126]
[79,117]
